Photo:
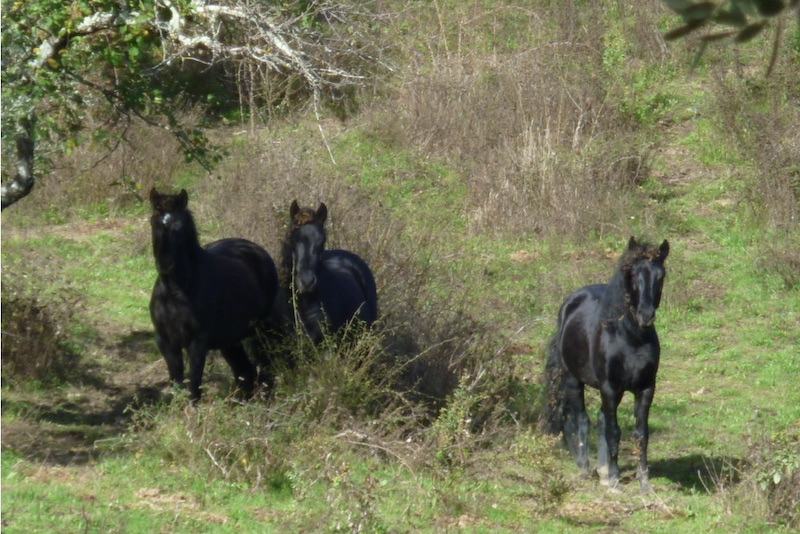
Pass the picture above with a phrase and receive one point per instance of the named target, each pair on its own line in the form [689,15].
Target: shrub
[35,346]
[767,480]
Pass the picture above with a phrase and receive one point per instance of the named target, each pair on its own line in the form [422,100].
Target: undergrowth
[37,345]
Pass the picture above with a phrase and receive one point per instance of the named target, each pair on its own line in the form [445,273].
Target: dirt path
[115,372]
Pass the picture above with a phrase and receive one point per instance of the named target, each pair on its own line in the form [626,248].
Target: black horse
[206,298]
[327,288]
[606,339]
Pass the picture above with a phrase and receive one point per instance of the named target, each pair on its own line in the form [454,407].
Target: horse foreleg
[266,379]
[608,440]
[243,370]
[173,356]
[198,350]
[602,447]
[641,435]
[576,424]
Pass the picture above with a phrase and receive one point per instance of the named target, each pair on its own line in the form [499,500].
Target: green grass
[102,270]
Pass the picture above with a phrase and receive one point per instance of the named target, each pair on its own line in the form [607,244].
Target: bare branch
[267,42]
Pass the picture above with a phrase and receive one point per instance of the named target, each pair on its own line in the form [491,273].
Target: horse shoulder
[348,265]
[580,310]
[347,287]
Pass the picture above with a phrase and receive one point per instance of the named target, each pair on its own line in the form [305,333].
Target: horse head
[172,227]
[644,269]
[305,245]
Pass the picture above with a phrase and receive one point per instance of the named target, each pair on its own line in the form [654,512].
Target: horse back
[255,258]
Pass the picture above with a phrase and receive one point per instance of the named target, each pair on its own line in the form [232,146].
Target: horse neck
[185,254]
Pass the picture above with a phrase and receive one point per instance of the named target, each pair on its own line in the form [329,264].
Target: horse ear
[632,243]
[183,198]
[153,195]
[294,209]
[664,250]
[322,213]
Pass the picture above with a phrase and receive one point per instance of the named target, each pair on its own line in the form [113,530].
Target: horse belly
[351,286]
[578,333]
[234,317]
[577,348]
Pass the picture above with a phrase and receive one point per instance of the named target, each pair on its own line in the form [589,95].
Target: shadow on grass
[695,472]
[72,422]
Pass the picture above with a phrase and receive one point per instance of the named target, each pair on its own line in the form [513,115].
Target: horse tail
[551,420]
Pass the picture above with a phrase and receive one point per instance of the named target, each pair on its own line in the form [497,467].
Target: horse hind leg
[262,348]
[243,370]
[602,448]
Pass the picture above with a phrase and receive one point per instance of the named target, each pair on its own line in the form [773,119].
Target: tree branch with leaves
[740,20]
[62,62]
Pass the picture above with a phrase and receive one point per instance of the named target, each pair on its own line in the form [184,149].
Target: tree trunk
[22,183]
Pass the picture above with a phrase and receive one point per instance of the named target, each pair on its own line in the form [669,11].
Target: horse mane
[618,290]
[190,229]
[639,252]
[304,216]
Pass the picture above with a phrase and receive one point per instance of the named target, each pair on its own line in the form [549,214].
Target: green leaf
[718,36]
[679,6]
[769,8]
[744,6]
[776,478]
[732,17]
[699,54]
[699,12]
[750,31]
[682,30]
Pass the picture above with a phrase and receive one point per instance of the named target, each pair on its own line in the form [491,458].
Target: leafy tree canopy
[68,64]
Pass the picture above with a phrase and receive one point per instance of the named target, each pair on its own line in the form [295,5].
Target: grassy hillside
[503,162]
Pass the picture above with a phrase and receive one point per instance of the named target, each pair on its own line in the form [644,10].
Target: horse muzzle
[645,318]
[305,283]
